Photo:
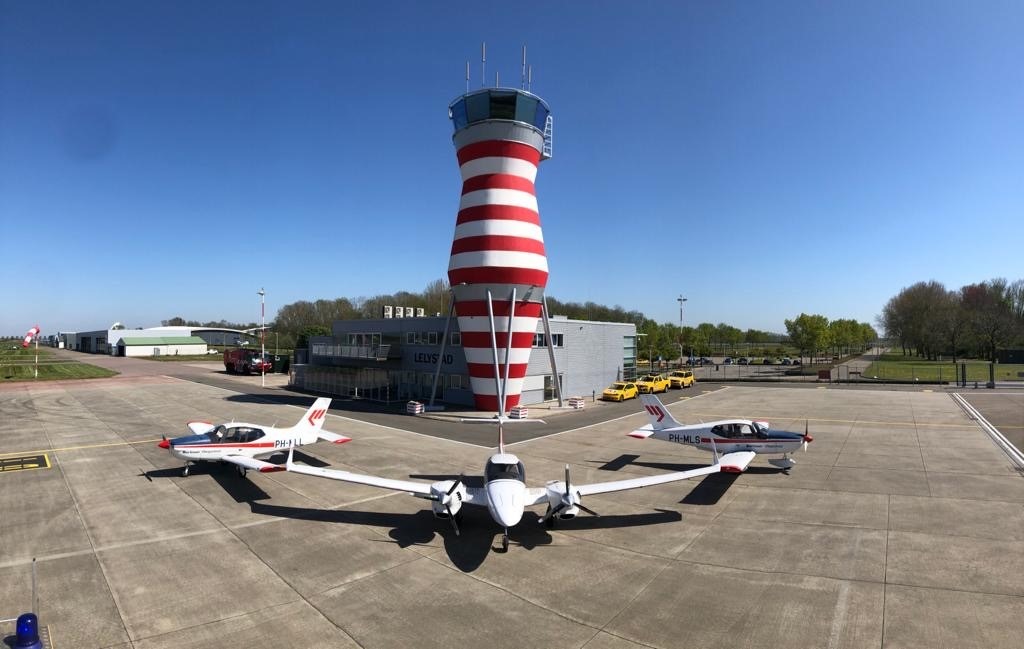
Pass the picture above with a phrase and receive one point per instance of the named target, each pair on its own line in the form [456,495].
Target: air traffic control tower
[498,269]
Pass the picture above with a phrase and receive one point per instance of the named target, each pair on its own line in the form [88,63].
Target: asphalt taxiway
[902,526]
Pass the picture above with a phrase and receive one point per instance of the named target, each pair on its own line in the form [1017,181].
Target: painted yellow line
[79,448]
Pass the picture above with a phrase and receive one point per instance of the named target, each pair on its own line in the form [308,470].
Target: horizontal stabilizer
[332,437]
[736,462]
[200,427]
[642,433]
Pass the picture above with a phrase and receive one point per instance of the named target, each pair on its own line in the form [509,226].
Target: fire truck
[246,361]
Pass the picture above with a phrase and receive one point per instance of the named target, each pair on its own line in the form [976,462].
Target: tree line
[976,320]
[296,322]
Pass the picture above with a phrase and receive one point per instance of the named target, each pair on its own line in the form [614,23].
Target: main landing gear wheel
[184,471]
[241,471]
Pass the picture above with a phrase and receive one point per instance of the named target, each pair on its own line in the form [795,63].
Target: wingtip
[343,440]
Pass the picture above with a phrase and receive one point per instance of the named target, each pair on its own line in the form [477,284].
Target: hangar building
[395,359]
[117,341]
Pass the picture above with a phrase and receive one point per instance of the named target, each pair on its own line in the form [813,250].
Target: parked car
[620,391]
[704,360]
[651,383]
[727,361]
[743,361]
[767,361]
[681,379]
[787,361]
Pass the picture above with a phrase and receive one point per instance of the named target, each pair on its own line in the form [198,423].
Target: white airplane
[241,443]
[742,437]
[504,493]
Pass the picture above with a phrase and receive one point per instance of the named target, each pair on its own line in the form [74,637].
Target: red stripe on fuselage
[229,445]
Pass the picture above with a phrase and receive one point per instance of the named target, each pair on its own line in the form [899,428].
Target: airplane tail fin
[658,414]
[312,421]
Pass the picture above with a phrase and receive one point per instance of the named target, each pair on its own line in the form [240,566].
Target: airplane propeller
[567,501]
[807,437]
[446,499]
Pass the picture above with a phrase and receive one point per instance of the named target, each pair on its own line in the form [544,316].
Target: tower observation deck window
[495,103]
[503,105]
[478,107]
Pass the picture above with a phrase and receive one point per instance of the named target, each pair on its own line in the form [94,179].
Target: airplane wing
[736,462]
[200,427]
[332,437]
[415,488]
[252,463]
[648,481]
[536,495]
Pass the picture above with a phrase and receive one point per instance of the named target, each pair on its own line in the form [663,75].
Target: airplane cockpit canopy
[739,430]
[223,434]
[504,471]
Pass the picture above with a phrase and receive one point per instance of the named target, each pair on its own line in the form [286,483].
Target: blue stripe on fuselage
[784,436]
[190,439]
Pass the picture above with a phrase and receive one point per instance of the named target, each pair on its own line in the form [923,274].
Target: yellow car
[653,383]
[682,379]
[620,391]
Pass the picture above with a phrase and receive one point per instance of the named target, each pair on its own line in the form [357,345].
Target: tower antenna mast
[522,78]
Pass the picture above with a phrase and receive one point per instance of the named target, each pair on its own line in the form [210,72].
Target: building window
[455,381]
[431,337]
[410,337]
[456,339]
[539,340]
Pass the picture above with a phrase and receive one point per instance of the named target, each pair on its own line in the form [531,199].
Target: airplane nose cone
[164,444]
[506,499]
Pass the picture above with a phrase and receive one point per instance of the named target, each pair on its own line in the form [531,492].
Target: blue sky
[763,159]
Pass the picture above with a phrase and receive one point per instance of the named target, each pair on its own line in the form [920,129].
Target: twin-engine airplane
[505,494]
[742,437]
[241,443]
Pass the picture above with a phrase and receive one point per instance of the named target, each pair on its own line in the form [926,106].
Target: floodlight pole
[263,333]
[680,299]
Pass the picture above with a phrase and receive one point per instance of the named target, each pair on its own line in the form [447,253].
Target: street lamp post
[648,354]
[680,299]
[263,333]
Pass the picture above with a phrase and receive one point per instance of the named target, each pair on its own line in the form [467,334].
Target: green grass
[18,364]
[896,367]
[51,371]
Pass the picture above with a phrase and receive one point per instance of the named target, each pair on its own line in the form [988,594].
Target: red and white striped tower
[498,269]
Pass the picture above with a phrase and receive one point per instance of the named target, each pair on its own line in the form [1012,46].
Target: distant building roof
[162,340]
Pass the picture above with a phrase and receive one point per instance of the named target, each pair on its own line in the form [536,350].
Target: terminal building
[396,359]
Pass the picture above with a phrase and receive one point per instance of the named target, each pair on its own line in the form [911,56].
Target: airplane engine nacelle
[563,504]
[568,513]
[447,497]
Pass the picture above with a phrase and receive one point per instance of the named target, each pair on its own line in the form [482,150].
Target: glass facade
[498,103]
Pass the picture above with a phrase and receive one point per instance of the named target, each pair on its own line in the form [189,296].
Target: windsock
[32,333]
